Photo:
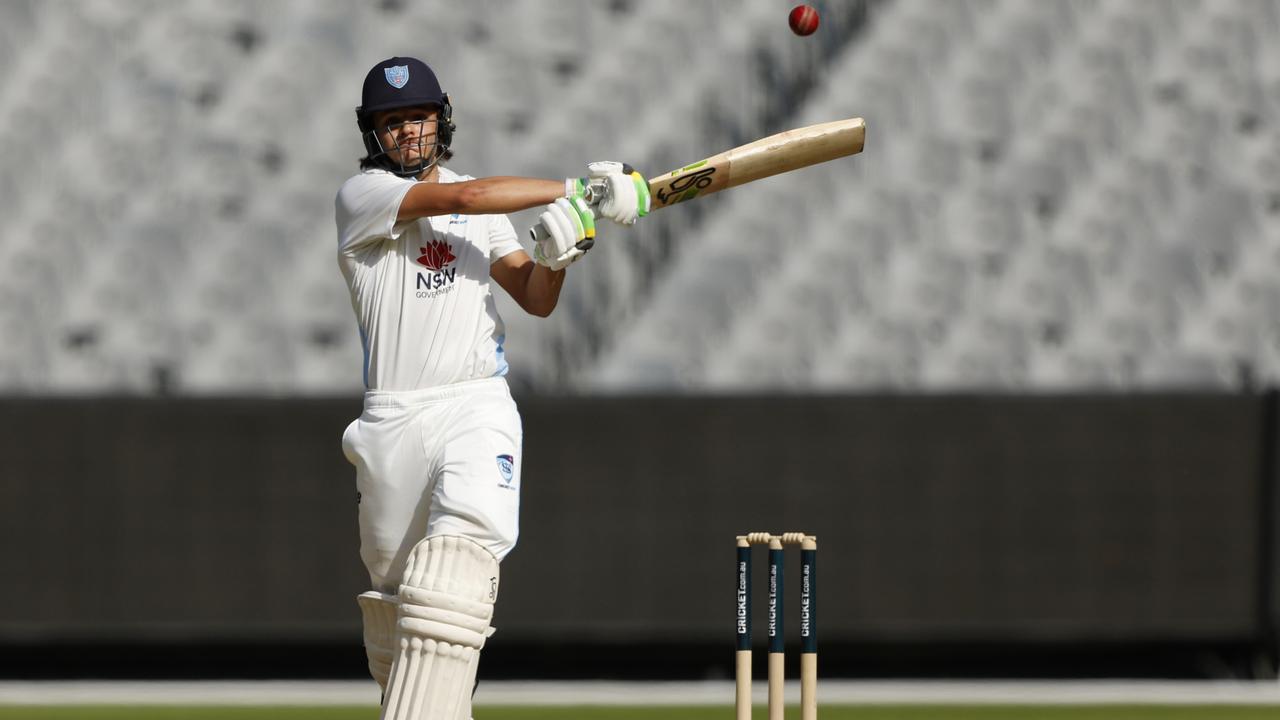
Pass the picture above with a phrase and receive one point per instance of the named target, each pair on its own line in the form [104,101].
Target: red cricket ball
[803,19]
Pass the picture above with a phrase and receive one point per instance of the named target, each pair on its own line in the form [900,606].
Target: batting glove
[566,230]
[615,190]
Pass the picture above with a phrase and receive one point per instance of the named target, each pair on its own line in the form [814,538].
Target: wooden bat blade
[780,153]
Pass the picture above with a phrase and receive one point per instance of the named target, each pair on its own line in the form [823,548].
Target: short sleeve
[502,238]
[366,208]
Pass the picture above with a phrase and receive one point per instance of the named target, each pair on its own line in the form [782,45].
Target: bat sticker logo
[685,187]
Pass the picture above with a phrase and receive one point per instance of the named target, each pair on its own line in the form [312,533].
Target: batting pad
[446,602]
[379,613]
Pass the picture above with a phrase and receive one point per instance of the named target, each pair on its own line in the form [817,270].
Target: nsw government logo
[438,257]
[506,468]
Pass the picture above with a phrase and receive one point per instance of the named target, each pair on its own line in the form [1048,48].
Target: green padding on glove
[588,220]
[642,193]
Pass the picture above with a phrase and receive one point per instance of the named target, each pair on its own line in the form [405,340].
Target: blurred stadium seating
[1055,195]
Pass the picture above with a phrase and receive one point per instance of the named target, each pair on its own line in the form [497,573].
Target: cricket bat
[780,153]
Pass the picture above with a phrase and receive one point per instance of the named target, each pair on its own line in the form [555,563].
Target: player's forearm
[486,196]
[542,290]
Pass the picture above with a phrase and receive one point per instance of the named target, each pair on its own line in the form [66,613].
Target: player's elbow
[541,309]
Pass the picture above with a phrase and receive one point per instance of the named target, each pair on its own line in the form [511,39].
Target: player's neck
[432,174]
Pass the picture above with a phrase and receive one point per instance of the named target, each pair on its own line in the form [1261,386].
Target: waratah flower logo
[436,255]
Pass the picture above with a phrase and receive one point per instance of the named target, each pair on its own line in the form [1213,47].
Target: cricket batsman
[437,449]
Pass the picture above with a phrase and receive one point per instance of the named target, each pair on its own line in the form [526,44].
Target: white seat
[982,352]
[1182,371]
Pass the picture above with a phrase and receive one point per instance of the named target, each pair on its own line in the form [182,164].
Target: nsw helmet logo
[436,255]
[397,75]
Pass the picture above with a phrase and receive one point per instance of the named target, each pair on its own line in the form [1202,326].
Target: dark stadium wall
[955,531]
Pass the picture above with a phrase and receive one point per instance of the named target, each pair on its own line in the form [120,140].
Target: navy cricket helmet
[401,82]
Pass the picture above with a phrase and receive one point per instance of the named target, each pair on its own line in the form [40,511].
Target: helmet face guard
[397,83]
[428,154]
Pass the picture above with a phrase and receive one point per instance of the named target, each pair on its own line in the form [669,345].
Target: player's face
[409,134]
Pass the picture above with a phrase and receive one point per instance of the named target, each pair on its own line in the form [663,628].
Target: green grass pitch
[841,712]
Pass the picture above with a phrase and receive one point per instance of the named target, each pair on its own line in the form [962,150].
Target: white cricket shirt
[420,289]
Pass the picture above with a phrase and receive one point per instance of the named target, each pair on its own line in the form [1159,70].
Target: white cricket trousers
[443,461]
